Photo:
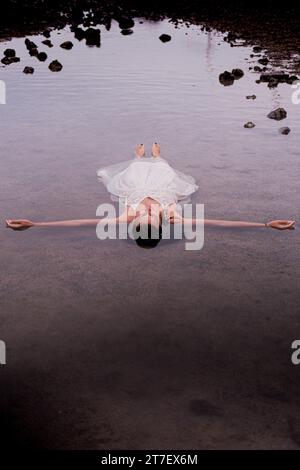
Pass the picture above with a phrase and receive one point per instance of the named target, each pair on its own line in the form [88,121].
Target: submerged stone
[67,45]
[92,37]
[42,56]
[237,73]
[226,78]
[33,52]
[126,23]
[263,61]
[6,60]
[278,114]
[273,84]
[249,125]
[30,44]
[278,76]
[47,42]
[165,37]
[126,32]
[28,70]
[55,66]
[284,130]
[79,33]
[9,53]
[10,60]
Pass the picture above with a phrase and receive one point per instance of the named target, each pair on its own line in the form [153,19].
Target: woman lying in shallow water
[149,189]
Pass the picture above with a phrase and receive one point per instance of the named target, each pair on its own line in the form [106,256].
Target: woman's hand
[20,224]
[281,224]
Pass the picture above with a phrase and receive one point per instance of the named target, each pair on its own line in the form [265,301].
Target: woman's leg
[140,150]
[155,150]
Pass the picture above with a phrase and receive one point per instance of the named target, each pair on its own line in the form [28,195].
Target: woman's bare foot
[140,150]
[156,150]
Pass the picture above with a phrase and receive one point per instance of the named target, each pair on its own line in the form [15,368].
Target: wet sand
[113,347]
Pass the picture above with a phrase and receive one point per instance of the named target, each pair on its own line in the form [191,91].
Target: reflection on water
[56,130]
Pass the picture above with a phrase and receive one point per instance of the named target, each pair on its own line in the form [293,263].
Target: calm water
[113,346]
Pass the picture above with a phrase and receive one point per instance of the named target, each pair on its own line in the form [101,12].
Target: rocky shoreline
[269,26]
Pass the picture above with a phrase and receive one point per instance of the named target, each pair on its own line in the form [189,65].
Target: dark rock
[237,73]
[107,23]
[33,52]
[28,70]
[67,45]
[278,76]
[249,125]
[92,36]
[79,33]
[284,130]
[257,49]
[46,34]
[30,44]
[10,53]
[55,66]
[87,23]
[6,60]
[226,78]
[278,114]
[231,37]
[273,83]
[251,97]
[292,79]
[165,37]
[10,60]
[126,23]
[126,32]
[42,56]
[257,68]
[263,61]
[47,42]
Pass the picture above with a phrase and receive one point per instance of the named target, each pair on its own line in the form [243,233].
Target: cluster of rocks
[277,114]
[274,78]
[227,78]
[9,57]
[92,36]
[241,19]
[54,66]
[33,50]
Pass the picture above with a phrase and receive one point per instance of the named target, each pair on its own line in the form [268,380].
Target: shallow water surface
[113,346]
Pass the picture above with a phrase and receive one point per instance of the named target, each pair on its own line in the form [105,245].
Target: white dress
[134,180]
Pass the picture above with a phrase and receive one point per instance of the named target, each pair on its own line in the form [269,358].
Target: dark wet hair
[149,235]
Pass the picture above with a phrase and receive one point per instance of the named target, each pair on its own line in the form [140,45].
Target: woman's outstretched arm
[276,224]
[23,224]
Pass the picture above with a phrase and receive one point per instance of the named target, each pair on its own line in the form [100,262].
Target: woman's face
[148,215]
